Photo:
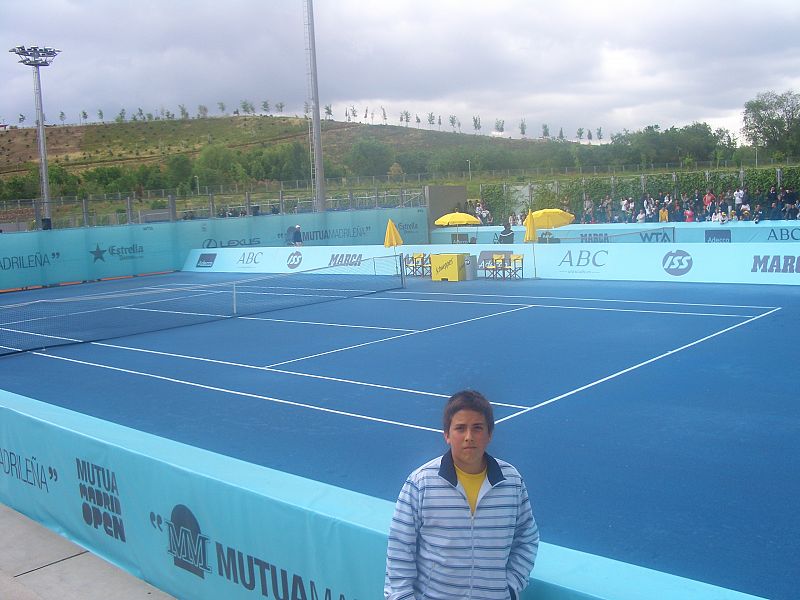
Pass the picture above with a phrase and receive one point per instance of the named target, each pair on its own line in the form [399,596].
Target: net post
[234,299]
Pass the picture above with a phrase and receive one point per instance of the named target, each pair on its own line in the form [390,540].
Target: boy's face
[468,437]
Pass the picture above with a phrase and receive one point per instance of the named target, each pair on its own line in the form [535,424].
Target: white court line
[46,335]
[175,312]
[581,299]
[239,393]
[285,372]
[326,324]
[394,337]
[599,308]
[634,367]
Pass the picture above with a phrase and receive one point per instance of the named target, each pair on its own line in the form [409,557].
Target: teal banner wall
[57,256]
[204,526]
[636,233]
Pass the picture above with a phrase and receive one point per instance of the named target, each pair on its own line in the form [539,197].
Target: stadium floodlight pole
[316,134]
[39,57]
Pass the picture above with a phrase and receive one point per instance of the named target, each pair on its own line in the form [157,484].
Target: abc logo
[294,260]
[677,263]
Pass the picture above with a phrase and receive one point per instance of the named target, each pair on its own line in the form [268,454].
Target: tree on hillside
[599,133]
[328,112]
[458,123]
[366,112]
[265,106]
[120,118]
[439,121]
[202,111]
[589,135]
[579,133]
[523,127]
[21,118]
[545,131]
[431,119]
[279,106]
[62,117]
[369,157]
[407,116]
[383,115]
[247,107]
[183,111]
[452,119]
[561,137]
[476,123]
[353,112]
[140,113]
[221,107]
[500,125]
[100,114]
[84,115]
[773,120]
[417,120]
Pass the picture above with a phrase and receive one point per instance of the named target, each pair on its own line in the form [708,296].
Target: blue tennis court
[655,424]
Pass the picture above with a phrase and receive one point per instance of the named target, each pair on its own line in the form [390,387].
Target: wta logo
[677,263]
[294,260]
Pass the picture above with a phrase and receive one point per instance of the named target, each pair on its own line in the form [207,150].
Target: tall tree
[545,131]
[773,120]
[599,134]
[100,114]
[431,119]
[84,115]
[561,137]
[279,106]
[62,117]
[221,107]
[523,127]
[183,111]
[383,115]
[452,120]
[265,106]
[580,134]
[500,125]
[202,111]
[328,112]
[476,123]
[589,135]
[21,118]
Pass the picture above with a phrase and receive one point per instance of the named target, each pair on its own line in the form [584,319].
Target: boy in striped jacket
[463,526]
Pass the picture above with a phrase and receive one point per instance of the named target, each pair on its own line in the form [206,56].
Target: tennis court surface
[655,424]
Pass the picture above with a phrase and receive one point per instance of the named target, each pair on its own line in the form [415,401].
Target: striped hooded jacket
[439,550]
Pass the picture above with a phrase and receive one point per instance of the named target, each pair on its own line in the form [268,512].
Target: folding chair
[418,264]
[408,264]
[515,266]
[426,265]
[496,268]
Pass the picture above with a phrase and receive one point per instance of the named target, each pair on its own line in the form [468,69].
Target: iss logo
[207,259]
[677,263]
[294,260]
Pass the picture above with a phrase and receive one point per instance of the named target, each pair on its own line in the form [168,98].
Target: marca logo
[594,238]
[187,545]
[444,266]
[776,264]
[656,237]
[677,263]
[407,227]
[207,260]
[345,260]
[294,260]
[585,258]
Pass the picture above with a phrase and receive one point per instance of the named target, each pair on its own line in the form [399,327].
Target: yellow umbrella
[457,218]
[550,218]
[530,228]
[392,236]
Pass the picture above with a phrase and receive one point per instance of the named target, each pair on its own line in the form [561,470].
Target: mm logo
[677,263]
[187,545]
[294,260]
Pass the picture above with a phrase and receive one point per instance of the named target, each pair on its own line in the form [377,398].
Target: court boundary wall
[201,525]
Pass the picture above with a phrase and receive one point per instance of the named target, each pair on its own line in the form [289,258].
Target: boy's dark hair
[468,400]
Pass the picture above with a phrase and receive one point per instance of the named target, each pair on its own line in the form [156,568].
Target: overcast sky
[614,64]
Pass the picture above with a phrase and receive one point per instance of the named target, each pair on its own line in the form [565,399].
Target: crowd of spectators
[723,206]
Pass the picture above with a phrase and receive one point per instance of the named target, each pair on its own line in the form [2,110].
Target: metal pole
[319,169]
[44,180]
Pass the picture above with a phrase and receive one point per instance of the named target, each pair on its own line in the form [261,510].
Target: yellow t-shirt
[472,483]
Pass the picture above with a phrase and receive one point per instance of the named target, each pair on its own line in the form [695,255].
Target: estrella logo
[677,263]
[294,260]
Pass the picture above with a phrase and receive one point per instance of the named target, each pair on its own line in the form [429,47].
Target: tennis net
[42,324]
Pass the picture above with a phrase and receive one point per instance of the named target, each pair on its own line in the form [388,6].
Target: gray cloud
[616,65]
